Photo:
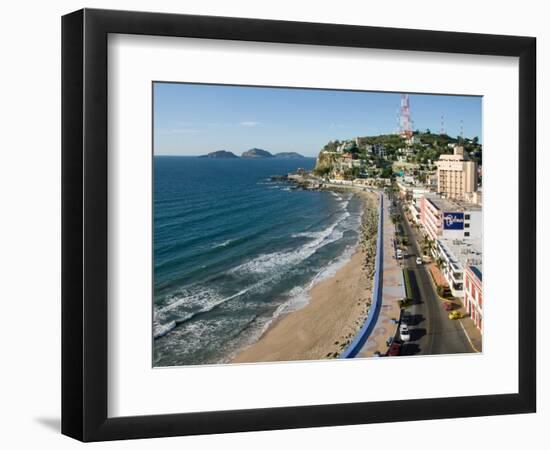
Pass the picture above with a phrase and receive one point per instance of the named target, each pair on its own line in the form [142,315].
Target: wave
[213,301]
[298,297]
[199,299]
[270,261]
[224,243]
[306,234]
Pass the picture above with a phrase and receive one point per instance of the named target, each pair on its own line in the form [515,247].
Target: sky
[195,119]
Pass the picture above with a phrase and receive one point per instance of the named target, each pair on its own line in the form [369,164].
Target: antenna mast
[405,123]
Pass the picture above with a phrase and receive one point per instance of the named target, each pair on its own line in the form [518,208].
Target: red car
[449,306]
[395,349]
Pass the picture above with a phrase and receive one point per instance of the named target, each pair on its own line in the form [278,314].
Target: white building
[414,209]
[455,227]
[452,219]
[414,139]
[455,255]
[410,188]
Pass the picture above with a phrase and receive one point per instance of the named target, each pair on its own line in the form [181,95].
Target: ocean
[234,250]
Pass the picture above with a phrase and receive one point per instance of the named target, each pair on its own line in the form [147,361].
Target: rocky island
[252,153]
[220,154]
[256,153]
[290,155]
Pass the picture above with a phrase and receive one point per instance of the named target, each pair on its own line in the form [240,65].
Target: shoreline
[336,310]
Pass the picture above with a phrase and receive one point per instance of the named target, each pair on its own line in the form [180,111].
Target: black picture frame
[84,224]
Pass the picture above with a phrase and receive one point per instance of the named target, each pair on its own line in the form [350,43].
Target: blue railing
[376,303]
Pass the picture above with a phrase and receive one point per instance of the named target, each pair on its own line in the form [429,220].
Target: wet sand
[323,328]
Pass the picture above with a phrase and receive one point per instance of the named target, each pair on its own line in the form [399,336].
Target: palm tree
[428,245]
[441,264]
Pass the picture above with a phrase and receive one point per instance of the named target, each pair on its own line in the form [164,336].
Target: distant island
[259,153]
[252,153]
[288,155]
[220,154]
[256,153]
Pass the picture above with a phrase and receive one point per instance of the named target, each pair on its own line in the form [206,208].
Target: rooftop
[446,204]
[464,252]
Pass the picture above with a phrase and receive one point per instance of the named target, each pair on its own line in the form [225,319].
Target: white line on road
[468,337]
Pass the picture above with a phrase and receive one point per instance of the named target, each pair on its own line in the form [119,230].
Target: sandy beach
[323,328]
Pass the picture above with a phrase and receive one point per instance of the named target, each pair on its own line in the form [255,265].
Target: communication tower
[405,122]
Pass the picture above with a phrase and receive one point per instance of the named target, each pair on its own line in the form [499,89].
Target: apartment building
[456,175]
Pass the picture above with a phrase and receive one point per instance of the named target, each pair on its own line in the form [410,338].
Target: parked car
[418,261]
[449,306]
[395,349]
[389,341]
[399,253]
[453,315]
[404,333]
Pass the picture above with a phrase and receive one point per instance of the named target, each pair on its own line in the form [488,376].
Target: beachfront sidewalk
[393,289]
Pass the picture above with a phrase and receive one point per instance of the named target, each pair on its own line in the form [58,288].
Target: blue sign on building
[453,221]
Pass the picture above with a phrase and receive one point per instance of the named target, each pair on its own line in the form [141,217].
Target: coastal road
[432,333]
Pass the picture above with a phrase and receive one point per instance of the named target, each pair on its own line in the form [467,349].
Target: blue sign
[453,221]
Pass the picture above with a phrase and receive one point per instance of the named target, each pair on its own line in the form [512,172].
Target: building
[453,219]
[349,161]
[379,150]
[414,139]
[341,147]
[474,197]
[406,151]
[410,188]
[455,228]
[456,175]
[473,293]
[453,256]
[414,210]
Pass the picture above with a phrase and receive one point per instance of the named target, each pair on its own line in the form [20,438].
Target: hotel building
[455,227]
[456,175]
[444,218]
